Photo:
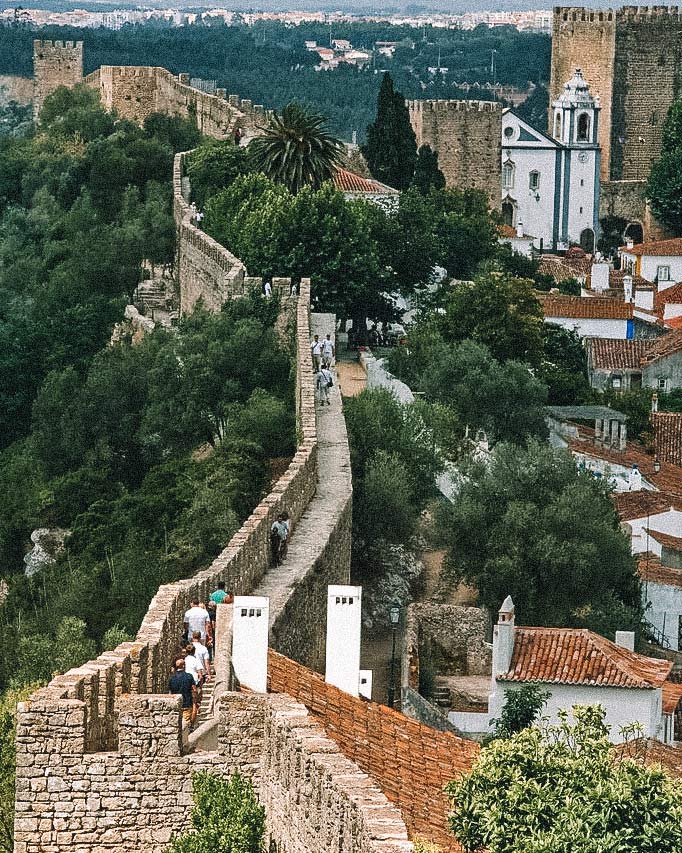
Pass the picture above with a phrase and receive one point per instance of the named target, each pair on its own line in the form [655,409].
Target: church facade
[550,184]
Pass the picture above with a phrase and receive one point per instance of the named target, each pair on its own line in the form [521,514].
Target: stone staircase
[206,707]
[152,299]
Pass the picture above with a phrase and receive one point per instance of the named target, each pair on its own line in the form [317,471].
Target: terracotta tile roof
[409,761]
[614,354]
[349,182]
[585,307]
[652,752]
[667,427]
[509,232]
[672,695]
[663,248]
[650,568]
[631,505]
[666,345]
[562,268]
[665,539]
[669,296]
[577,656]
[674,323]
[668,479]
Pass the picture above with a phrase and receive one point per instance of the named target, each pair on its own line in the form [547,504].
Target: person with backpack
[325,381]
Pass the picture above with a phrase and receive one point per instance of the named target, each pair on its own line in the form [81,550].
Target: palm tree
[295,149]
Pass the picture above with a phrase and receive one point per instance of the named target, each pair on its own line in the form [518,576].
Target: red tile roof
[651,569]
[669,296]
[409,761]
[509,232]
[672,695]
[349,182]
[653,752]
[615,354]
[666,345]
[674,323]
[663,248]
[577,656]
[665,539]
[631,505]
[585,307]
[667,427]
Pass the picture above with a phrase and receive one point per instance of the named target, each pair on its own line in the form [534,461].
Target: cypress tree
[391,147]
[427,175]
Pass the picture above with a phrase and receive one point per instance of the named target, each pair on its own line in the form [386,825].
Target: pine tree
[427,175]
[391,148]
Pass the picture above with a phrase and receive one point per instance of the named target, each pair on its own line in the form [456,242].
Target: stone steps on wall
[206,702]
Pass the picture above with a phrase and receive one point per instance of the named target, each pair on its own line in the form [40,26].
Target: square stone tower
[55,64]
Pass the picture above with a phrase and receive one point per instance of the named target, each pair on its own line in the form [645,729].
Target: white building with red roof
[590,316]
[368,189]
[578,667]
[657,261]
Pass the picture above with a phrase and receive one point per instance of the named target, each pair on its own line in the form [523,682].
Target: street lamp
[394,615]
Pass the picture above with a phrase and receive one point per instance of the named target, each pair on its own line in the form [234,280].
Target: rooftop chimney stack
[503,638]
[626,639]
[519,229]
[630,244]
[654,402]
[250,641]
[635,479]
[627,287]
[344,623]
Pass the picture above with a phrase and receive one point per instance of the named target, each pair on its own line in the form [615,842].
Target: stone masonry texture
[632,59]
[467,137]
[58,63]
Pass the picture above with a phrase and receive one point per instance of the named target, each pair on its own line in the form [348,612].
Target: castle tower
[55,64]
[466,135]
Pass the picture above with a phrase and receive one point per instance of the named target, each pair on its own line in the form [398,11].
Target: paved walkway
[333,489]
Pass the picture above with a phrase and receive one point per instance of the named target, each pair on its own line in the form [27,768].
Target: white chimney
[635,479]
[503,638]
[599,277]
[365,684]
[344,623]
[627,287]
[519,229]
[626,639]
[630,244]
[654,402]
[250,641]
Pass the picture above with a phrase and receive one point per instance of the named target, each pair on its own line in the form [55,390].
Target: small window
[617,383]
[582,182]
[583,128]
[534,180]
[662,385]
[508,175]
[509,132]
[654,118]
[663,273]
[557,126]
[581,210]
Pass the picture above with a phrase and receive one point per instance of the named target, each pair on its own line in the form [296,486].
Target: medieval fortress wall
[467,136]
[100,760]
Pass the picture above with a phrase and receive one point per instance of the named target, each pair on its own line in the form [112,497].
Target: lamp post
[394,614]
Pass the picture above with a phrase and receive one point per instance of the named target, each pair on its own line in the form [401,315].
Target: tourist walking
[182,684]
[279,536]
[202,655]
[327,351]
[197,619]
[221,595]
[316,352]
[268,289]
[325,381]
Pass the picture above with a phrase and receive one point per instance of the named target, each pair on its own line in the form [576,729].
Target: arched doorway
[508,209]
[634,232]
[587,240]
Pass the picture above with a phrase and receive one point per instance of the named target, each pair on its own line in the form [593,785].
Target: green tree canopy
[561,788]
[391,147]
[427,175]
[213,166]
[664,188]
[531,525]
[295,149]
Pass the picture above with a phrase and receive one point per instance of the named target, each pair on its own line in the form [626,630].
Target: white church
[550,184]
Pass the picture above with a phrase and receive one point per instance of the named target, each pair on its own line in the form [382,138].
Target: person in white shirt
[316,352]
[324,383]
[202,655]
[268,289]
[197,619]
[193,667]
[327,351]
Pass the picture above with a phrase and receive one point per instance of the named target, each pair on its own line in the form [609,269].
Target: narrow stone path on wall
[333,488]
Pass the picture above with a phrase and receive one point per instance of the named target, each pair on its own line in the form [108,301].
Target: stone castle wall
[467,135]
[632,59]
[55,64]
[585,38]
[138,796]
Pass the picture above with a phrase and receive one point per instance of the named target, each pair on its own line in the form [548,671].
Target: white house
[657,260]
[590,316]
[551,183]
[357,187]
[577,667]
[516,237]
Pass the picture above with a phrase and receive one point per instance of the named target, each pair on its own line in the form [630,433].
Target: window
[508,175]
[508,213]
[663,273]
[583,128]
[636,380]
[662,385]
[617,383]
[534,180]
[582,182]
[581,210]
[654,117]
[509,132]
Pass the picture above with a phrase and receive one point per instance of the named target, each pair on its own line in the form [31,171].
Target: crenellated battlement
[570,14]
[455,106]
[60,46]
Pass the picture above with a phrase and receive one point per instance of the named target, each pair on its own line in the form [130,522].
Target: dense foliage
[522,707]
[268,62]
[226,817]
[391,147]
[81,204]
[529,524]
[664,188]
[560,788]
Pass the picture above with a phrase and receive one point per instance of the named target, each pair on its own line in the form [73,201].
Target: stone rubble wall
[467,135]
